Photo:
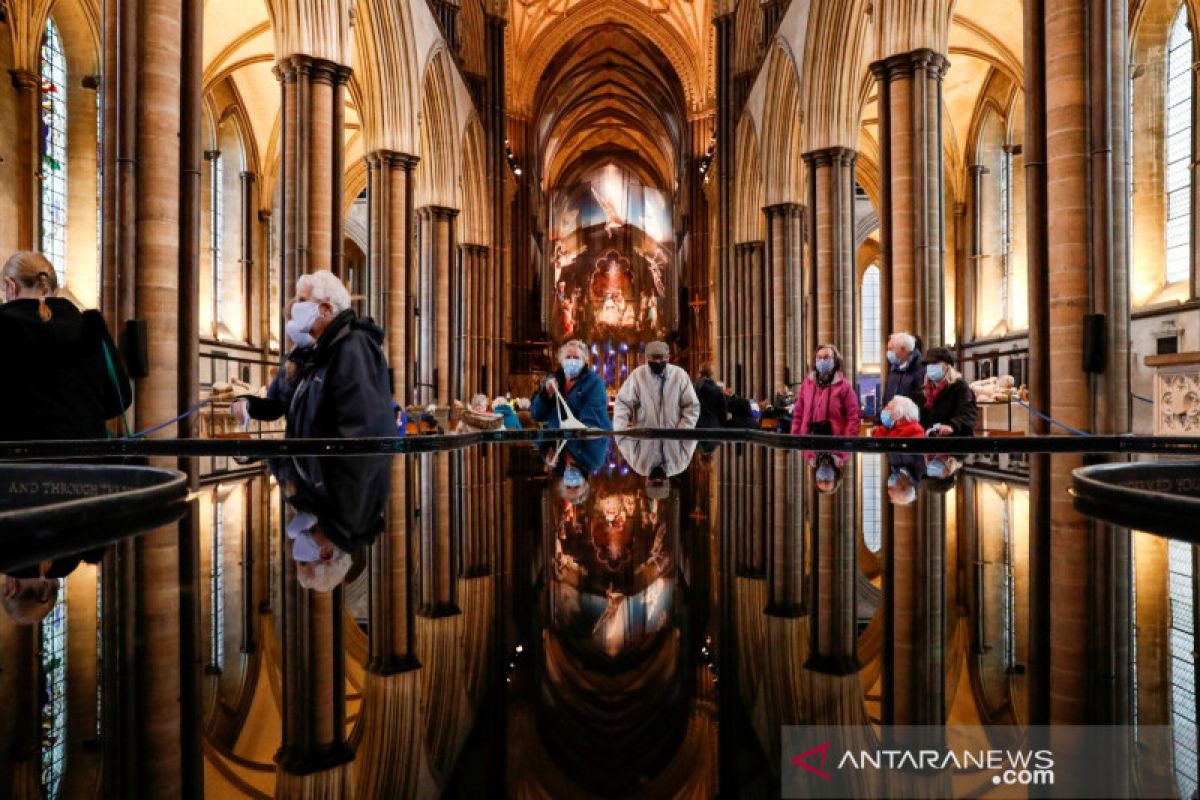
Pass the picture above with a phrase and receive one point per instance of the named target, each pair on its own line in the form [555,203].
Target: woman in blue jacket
[582,388]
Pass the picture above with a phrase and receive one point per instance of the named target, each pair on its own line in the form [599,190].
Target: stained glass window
[54,699]
[1179,149]
[52,149]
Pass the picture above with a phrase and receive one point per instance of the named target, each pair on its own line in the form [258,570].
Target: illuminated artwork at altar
[612,265]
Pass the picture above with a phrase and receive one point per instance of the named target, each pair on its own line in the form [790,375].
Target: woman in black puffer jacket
[66,378]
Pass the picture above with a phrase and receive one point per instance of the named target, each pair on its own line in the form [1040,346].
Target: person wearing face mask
[302,312]
[906,372]
[657,394]
[899,419]
[344,389]
[580,387]
[712,400]
[949,404]
[65,376]
[827,404]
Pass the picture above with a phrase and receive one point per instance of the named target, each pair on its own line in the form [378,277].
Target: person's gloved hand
[240,411]
[551,387]
[940,430]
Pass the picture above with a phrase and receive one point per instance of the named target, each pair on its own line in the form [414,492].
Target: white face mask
[304,314]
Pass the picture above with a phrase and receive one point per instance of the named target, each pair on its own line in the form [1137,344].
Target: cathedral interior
[746,180]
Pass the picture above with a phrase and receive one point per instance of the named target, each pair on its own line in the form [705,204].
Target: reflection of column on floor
[750,483]
[786,591]
[438,567]
[914,604]
[314,700]
[834,636]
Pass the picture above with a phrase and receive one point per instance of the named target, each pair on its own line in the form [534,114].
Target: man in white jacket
[656,395]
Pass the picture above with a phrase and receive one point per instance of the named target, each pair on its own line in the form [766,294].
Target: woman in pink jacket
[826,403]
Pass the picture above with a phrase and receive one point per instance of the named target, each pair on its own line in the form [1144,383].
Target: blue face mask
[885,417]
[826,473]
[936,468]
[894,478]
[824,365]
[572,367]
[893,359]
[935,373]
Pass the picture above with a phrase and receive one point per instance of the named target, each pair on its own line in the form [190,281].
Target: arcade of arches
[742,178]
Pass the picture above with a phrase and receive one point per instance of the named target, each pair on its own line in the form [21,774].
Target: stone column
[433,303]
[390,218]
[150,194]
[726,125]
[785,248]
[311,165]
[1079,661]
[964,312]
[27,167]
[913,219]
[833,275]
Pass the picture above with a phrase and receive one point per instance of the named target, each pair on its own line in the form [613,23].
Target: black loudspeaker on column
[1095,343]
[134,349]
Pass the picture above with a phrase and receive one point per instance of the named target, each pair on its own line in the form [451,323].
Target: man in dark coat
[344,391]
[906,372]
[712,400]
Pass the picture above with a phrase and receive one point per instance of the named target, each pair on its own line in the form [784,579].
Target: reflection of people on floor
[336,505]
[644,456]
[31,592]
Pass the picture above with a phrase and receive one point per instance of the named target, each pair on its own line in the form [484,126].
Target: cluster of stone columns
[784,258]
[744,311]
[1077,149]
[434,382]
[830,290]
[312,164]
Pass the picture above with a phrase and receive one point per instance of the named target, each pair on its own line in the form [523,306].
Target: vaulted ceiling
[609,94]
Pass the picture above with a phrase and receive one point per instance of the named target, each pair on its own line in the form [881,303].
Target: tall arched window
[1178,153]
[52,151]
[869,314]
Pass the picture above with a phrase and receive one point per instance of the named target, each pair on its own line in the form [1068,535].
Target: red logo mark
[802,760]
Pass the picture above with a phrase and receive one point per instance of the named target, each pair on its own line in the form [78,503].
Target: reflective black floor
[604,618]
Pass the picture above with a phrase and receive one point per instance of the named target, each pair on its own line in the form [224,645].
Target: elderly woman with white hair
[581,388]
[899,419]
[344,391]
